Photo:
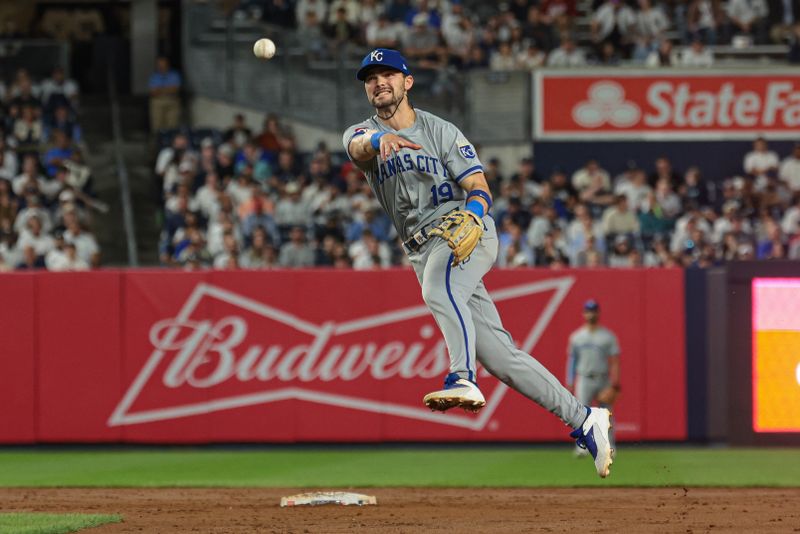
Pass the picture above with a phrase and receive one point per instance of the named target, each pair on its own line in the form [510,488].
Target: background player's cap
[591,305]
[383,57]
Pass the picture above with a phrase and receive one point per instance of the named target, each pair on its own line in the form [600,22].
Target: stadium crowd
[525,34]
[249,200]
[46,194]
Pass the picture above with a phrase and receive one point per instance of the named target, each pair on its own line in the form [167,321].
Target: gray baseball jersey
[589,351]
[417,186]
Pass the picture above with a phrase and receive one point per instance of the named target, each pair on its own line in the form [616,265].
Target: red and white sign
[287,356]
[683,104]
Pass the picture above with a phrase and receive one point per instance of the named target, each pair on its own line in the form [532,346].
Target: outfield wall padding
[309,356]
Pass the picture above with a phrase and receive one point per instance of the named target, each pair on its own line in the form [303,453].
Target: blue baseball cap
[385,57]
[591,305]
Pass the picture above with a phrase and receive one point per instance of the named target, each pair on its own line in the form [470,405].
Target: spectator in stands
[274,138]
[23,93]
[703,21]
[614,22]
[619,219]
[609,55]
[28,132]
[31,179]
[318,8]
[585,176]
[559,12]
[421,43]
[538,30]
[668,200]
[503,58]
[170,158]
[697,55]
[760,162]
[61,120]
[663,169]
[58,91]
[694,191]
[59,153]
[165,104]
[790,223]
[749,17]
[790,169]
[368,12]
[85,243]
[566,55]
[514,249]
[782,17]
[635,188]
[552,250]
[297,252]
[651,22]
[259,218]
[459,36]
[237,134]
[383,33]
[369,253]
[64,257]
[620,255]
[260,254]
[311,36]
[351,11]
[229,257]
[531,57]
[665,56]
[34,237]
[291,211]
[8,167]
[339,30]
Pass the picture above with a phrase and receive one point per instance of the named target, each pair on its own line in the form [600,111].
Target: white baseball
[264,48]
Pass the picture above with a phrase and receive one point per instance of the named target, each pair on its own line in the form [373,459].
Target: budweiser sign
[223,350]
[666,105]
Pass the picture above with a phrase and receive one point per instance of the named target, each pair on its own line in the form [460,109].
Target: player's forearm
[361,148]
[477,190]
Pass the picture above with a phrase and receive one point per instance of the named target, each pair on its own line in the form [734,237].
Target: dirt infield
[415,510]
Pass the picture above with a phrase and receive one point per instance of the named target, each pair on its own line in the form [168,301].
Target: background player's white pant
[587,388]
[472,327]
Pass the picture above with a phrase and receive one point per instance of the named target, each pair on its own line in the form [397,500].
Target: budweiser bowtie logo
[224,351]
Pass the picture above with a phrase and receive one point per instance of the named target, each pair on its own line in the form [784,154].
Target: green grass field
[36,523]
[381,467]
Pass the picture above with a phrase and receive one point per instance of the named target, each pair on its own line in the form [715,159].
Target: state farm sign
[666,105]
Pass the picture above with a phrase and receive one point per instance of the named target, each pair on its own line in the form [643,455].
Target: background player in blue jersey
[429,179]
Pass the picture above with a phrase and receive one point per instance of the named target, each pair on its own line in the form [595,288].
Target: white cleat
[593,436]
[457,392]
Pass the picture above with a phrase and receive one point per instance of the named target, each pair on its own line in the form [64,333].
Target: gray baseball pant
[472,328]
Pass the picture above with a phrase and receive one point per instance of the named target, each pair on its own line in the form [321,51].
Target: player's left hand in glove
[462,230]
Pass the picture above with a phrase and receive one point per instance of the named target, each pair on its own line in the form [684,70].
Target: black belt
[418,239]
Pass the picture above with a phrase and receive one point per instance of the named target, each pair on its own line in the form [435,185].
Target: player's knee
[433,296]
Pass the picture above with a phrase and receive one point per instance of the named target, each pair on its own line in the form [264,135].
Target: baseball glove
[608,395]
[462,230]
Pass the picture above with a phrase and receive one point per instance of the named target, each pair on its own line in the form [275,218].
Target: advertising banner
[669,104]
[326,356]
[776,354]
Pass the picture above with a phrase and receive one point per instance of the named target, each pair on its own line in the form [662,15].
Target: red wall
[283,356]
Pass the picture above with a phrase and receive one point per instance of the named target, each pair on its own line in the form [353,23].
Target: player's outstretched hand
[393,143]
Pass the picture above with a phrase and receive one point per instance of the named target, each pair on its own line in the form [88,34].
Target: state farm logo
[606,104]
[249,353]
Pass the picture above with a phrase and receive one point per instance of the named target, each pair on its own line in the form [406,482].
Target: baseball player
[428,178]
[593,363]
